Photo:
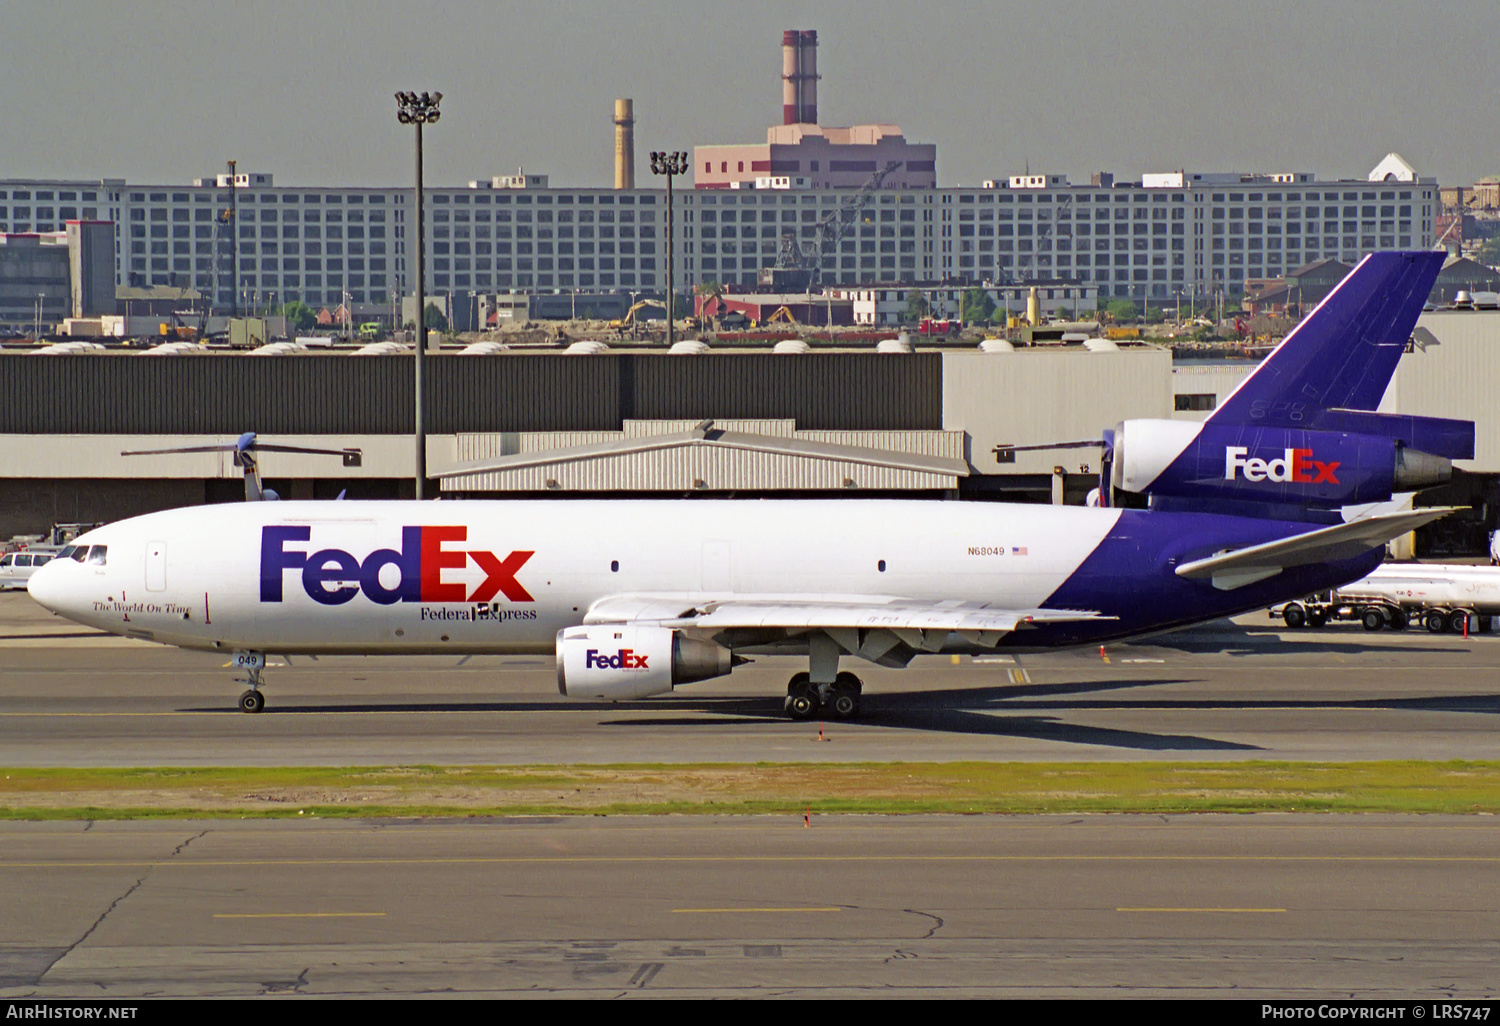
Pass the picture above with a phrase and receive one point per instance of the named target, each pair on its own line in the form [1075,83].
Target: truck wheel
[1456,620]
[1435,621]
[1373,618]
[1486,623]
[1399,620]
[1294,615]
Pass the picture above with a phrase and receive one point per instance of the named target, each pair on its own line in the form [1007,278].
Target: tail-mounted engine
[1288,466]
[620,661]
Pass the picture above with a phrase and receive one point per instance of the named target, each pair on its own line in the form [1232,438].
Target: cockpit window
[67,552]
[80,553]
[98,555]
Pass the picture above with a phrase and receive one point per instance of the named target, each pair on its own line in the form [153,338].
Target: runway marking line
[606,859]
[1200,910]
[295,915]
[719,910]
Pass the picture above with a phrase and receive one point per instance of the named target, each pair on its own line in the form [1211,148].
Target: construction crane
[799,263]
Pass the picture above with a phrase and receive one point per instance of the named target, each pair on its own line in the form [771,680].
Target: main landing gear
[251,700]
[824,689]
[837,701]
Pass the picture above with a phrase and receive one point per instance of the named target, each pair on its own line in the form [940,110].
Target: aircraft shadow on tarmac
[1240,640]
[974,711]
[1001,711]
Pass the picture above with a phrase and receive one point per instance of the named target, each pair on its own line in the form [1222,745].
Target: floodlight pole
[671,165]
[415,109]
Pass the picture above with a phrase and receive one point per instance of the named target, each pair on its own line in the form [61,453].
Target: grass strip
[761,788]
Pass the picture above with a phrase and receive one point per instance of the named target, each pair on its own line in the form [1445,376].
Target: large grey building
[1169,235]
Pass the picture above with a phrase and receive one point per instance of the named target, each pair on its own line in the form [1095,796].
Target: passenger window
[97,554]
[23,561]
[7,560]
[41,560]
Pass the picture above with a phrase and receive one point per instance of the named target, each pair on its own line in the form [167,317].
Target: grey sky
[167,90]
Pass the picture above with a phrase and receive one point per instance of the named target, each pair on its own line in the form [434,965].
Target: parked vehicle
[1441,597]
[16,568]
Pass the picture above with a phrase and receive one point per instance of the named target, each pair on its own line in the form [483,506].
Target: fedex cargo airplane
[1193,521]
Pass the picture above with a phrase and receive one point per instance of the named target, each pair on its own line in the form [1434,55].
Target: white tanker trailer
[1441,597]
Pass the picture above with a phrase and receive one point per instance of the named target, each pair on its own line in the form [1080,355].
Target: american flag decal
[1018,550]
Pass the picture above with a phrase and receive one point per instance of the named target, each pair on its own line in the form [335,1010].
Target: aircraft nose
[46,586]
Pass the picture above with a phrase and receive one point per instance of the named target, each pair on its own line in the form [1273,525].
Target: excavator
[783,314]
[629,322]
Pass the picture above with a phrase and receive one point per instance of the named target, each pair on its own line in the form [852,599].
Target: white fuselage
[329,577]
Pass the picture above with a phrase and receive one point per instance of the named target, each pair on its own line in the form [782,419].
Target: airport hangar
[630,422]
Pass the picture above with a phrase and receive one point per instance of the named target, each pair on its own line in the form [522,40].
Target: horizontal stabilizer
[1440,436]
[1235,569]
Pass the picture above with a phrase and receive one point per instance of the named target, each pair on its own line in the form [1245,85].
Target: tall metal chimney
[624,144]
[791,87]
[808,77]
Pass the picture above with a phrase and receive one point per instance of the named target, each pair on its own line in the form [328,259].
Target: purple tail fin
[1342,356]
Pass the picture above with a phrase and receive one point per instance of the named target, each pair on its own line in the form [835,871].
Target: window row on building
[326,245]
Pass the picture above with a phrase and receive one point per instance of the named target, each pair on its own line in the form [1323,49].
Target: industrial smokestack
[624,144]
[808,84]
[791,89]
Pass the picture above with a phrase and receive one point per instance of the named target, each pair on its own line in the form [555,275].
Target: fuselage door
[156,566]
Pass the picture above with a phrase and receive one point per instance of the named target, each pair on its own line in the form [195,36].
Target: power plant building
[826,157]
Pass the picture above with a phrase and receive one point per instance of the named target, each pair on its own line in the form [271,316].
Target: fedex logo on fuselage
[1295,465]
[625,659]
[333,576]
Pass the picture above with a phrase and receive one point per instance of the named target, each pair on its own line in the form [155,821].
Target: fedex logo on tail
[624,659]
[1295,465]
[334,576]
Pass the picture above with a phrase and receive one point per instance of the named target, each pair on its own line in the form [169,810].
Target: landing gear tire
[843,700]
[801,698]
[252,701]
[801,705]
[1372,618]
[1293,615]
[1436,621]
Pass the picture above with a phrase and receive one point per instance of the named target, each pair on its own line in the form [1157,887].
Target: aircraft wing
[1239,567]
[850,619]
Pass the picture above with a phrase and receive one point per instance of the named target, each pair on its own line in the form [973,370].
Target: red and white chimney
[791,77]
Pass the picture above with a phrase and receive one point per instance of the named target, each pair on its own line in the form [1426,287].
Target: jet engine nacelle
[1261,463]
[620,661]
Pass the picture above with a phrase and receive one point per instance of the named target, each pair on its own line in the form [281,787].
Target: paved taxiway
[1228,691]
[1250,907]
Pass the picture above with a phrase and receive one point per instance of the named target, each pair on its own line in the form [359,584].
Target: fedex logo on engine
[1295,465]
[625,659]
[333,576]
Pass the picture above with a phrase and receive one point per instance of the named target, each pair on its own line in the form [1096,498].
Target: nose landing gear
[251,700]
